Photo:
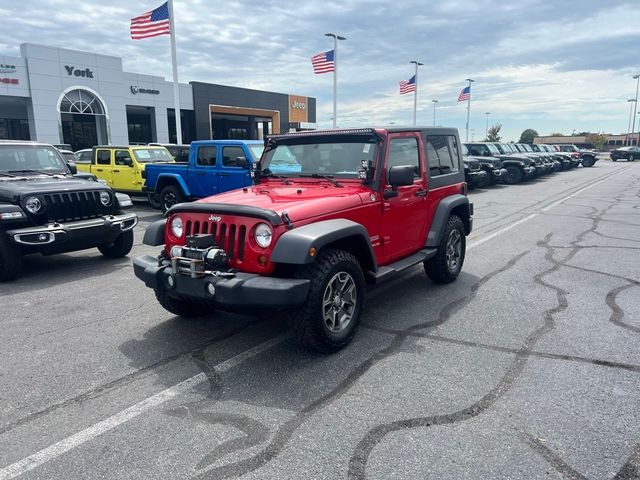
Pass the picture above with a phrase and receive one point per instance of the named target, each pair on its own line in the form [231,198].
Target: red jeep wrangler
[330,211]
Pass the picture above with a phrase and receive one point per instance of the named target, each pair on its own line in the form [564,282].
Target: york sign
[298,105]
[71,70]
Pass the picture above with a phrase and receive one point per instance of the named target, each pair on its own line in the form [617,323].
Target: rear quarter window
[442,155]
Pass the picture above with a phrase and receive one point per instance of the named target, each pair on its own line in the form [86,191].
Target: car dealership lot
[527,367]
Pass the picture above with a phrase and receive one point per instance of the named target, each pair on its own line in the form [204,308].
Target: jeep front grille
[230,237]
[66,207]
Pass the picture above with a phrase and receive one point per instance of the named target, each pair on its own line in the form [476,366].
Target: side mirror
[242,162]
[72,167]
[127,161]
[401,175]
[486,154]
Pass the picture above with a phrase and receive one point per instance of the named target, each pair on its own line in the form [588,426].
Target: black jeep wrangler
[45,209]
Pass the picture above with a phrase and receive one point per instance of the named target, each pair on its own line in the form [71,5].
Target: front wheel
[447,264]
[170,196]
[330,316]
[120,247]
[10,259]
[514,175]
[588,162]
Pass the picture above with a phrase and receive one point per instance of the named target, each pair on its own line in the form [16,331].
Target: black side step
[388,271]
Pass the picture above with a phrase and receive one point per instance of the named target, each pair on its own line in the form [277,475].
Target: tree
[597,140]
[493,134]
[528,135]
[557,134]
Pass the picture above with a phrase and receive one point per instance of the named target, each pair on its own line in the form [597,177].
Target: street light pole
[626,140]
[470,80]
[434,111]
[633,124]
[335,74]
[415,92]
[486,129]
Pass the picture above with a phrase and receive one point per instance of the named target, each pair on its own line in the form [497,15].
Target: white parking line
[69,443]
[475,243]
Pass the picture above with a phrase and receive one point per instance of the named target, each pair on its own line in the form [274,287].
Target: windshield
[321,157]
[256,151]
[465,150]
[493,149]
[527,148]
[146,155]
[31,157]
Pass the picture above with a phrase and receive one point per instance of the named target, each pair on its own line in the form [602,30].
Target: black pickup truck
[45,208]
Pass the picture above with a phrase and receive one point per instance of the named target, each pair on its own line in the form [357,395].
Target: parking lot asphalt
[528,366]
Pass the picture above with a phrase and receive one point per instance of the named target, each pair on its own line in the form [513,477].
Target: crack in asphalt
[283,434]
[122,381]
[359,459]
[552,458]
[617,313]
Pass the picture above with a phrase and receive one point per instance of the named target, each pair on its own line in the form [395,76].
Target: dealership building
[83,99]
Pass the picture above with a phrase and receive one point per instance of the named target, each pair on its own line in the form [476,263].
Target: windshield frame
[369,142]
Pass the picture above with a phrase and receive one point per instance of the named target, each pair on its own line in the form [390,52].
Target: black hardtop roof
[367,131]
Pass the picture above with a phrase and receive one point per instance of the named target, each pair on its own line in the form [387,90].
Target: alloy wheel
[454,250]
[339,302]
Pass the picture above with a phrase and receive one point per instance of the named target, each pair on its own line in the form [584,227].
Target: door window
[122,156]
[230,155]
[104,157]
[442,154]
[207,156]
[404,152]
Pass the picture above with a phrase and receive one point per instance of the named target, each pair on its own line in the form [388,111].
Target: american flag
[151,24]
[407,86]
[465,94]
[323,62]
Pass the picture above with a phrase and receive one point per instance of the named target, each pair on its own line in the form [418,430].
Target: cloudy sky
[551,65]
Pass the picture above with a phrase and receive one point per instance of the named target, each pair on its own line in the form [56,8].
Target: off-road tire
[630,158]
[437,268]
[169,196]
[183,307]
[307,321]
[514,175]
[588,162]
[10,259]
[120,247]
[154,200]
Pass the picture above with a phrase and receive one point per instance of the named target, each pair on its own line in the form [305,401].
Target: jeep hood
[13,189]
[301,200]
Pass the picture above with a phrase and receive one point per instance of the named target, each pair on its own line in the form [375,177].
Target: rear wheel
[183,307]
[330,316]
[447,264]
[10,259]
[120,247]
[514,175]
[630,158]
[154,200]
[170,196]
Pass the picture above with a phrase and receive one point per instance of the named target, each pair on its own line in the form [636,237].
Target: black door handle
[116,171]
[421,193]
[200,173]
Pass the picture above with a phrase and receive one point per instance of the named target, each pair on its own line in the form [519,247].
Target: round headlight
[176,227]
[33,205]
[263,235]
[105,198]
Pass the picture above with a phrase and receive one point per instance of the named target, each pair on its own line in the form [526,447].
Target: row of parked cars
[488,163]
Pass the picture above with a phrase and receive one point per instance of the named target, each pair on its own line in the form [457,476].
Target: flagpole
[335,75]
[176,86]
[415,92]
[469,106]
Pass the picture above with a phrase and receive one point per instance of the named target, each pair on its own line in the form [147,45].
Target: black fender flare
[293,246]
[444,209]
[154,234]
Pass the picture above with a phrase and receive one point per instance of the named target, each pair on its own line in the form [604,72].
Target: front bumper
[529,172]
[72,235]
[477,178]
[239,291]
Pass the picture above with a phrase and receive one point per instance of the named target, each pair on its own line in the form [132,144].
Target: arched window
[81,101]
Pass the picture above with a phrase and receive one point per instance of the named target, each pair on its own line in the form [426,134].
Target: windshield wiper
[35,171]
[4,174]
[284,178]
[328,178]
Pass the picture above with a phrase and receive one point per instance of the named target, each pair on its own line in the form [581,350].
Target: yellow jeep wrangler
[123,167]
